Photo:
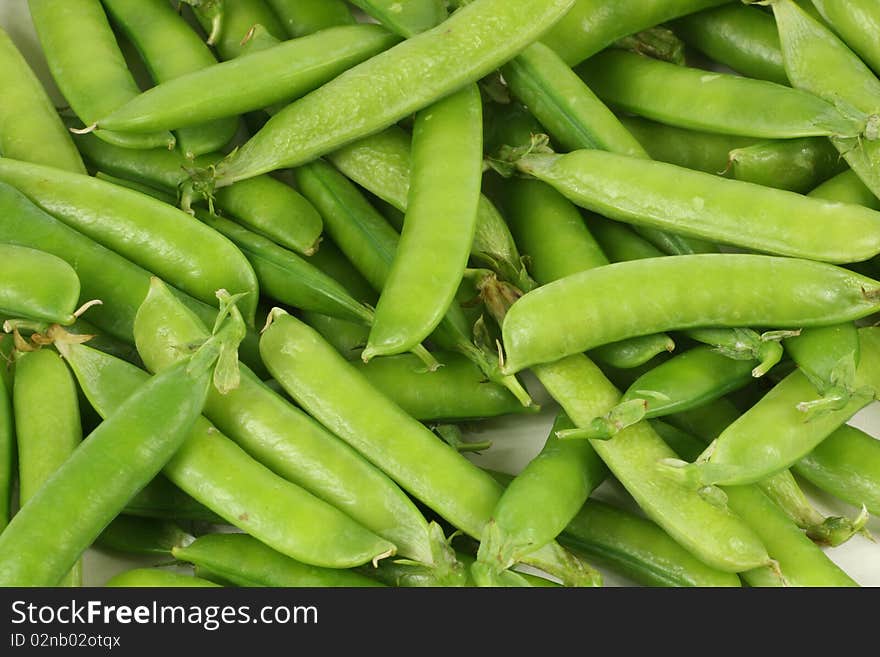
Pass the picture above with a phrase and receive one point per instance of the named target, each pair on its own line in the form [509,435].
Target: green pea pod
[31,129]
[87,65]
[276,74]
[348,338]
[154,577]
[557,243]
[163,500]
[228,24]
[847,187]
[37,286]
[798,561]
[380,164]
[171,48]
[405,18]
[593,25]
[386,88]
[702,205]
[638,548]
[438,230]
[745,344]
[734,289]
[284,438]
[619,242]
[456,392]
[714,102]
[163,240]
[432,471]
[304,17]
[692,149]
[7,448]
[542,499]
[797,165]
[737,456]
[847,465]
[149,536]
[690,379]
[858,23]
[244,561]
[330,260]
[106,470]
[830,70]
[743,38]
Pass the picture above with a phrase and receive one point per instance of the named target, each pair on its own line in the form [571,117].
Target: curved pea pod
[638,548]
[797,560]
[858,23]
[171,48]
[542,499]
[432,471]
[87,65]
[155,577]
[830,70]
[46,439]
[158,237]
[243,561]
[228,24]
[735,289]
[593,25]
[847,465]
[742,38]
[773,434]
[386,88]
[149,536]
[458,391]
[405,18]
[38,286]
[303,17]
[690,379]
[847,187]
[277,74]
[30,128]
[698,204]
[797,165]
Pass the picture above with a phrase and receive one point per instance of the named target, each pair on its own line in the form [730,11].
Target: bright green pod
[304,17]
[405,18]
[438,230]
[243,561]
[87,65]
[847,187]
[694,203]
[171,48]
[743,38]
[35,285]
[386,88]
[229,24]
[154,577]
[735,289]
[162,239]
[858,23]
[30,128]
[150,536]
[797,165]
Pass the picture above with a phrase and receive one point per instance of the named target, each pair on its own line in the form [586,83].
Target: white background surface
[515,440]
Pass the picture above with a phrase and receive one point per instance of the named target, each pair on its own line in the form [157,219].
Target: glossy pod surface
[36,285]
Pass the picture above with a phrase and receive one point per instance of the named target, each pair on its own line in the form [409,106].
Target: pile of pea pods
[272,270]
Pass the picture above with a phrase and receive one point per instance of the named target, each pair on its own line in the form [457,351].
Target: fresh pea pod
[438,230]
[149,536]
[103,473]
[163,240]
[86,63]
[155,577]
[593,25]
[405,18]
[773,435]
[243,561]
[229,24]
[277,74]
[619,242]
[162,500]
[304,17]
[735,289]
[714,102]
[29,125]
[432,471]
[386,88]
[348,338]
[38,286]
[702,205]
[797,165]
[847,187]
[170,48]
[743,38]
[858,23]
